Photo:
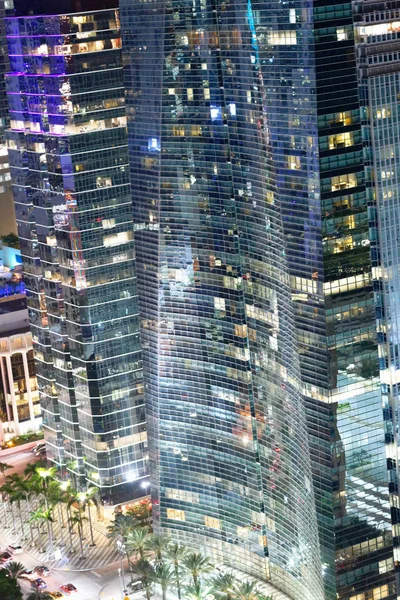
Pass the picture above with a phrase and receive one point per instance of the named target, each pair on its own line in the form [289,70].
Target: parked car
[68,588]
[38,446]
[5,557]
[39,583]
[27,574]
[15,549]
[42,571]
[55,594]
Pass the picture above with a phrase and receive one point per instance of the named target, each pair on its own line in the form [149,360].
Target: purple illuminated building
[69,160]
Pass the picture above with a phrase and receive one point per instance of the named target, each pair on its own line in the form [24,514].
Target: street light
[121,582]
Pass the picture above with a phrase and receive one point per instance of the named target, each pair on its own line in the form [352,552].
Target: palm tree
[197,591]
[197,565]
[15,569]
[223,586]
[3,469]
[176,553]
[120,527]
[45,516]
[39,595]
[87,499]
[136,542]
[246,590]
[18,490]
[157,544]
[145,572]
[6,491]
[77,518]
[30,469]
[164,576]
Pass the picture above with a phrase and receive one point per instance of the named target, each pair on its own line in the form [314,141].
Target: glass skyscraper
[256,258]
[68,153]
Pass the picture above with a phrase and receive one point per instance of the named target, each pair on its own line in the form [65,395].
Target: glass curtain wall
[227,434]
[68,151]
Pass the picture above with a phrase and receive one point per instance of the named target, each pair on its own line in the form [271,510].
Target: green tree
[121,526]
[197,565]
[223,585]
[11,240]
[141,513]
[145,572]
[30,469]
[15,569]
[157,544]
[39,595]
[7,492]
[164,577]
[87,499]
[77,518]
[197,591]
[44,516]
[3,468]
[246,590]
[9,588]
[17,494]
[136,542]
[175,554]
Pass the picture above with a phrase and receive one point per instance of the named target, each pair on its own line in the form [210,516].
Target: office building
[377,34]
[19,395]
[256,283]
[7,221]
[68,154]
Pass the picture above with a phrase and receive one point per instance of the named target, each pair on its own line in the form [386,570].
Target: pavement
[17,460]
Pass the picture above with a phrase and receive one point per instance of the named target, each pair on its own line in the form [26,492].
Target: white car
[15,549]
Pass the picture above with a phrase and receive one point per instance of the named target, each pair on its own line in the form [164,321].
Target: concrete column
[4,379]
[13,399]
[28,386]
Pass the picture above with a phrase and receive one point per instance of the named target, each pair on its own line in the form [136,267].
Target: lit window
[294,162]
[341,34]
[292,15]
[206,94]
[219,303]
[212,522]
[177,515]
[341,140]
[171,91]
[282,38]
[190,93]
[249,96]
[343,182]
[204,66]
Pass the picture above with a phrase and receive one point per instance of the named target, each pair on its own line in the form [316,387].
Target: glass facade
[229,451]
[377,37]
[255,261]
[68,153]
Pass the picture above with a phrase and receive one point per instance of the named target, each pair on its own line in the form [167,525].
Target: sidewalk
[102,554]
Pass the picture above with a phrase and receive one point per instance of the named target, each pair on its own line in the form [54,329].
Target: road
[18,461]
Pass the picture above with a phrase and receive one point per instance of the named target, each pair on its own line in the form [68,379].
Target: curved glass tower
[228,440]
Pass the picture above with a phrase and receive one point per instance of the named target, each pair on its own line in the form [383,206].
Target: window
[282,38]
[292,15]
[341,34]
[177,515]
[206,94]
[241,330]
[341,140]
[219,303]
[343,182]
[190,94]
[294,162]
[212,522]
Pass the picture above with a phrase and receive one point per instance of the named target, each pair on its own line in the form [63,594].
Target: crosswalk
[103,553]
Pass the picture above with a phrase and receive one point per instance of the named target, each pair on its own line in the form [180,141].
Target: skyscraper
[68,153]
[377,34]
[256,282]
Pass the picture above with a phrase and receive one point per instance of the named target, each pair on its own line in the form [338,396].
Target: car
[42,571]
[27,574]
[39,583]
[15,549]
[55,594]
[68,588]
[38,447]
[5,557]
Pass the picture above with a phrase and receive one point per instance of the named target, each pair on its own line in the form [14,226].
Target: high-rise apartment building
[68,154]
[256,279]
